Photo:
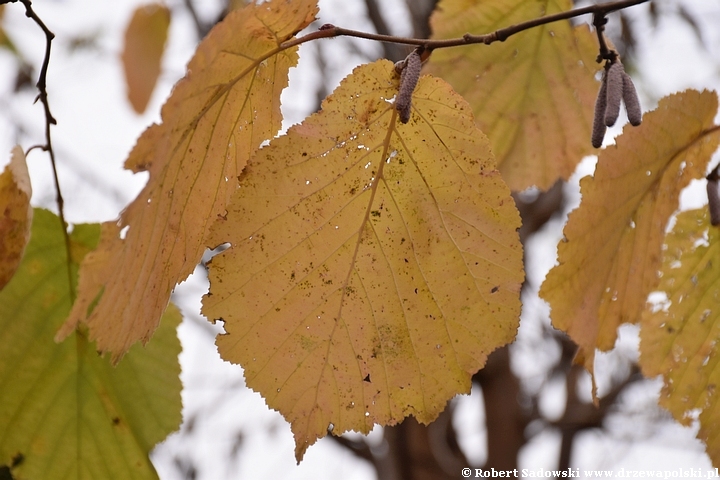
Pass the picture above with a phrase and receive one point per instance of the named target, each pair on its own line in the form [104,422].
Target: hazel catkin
[614,85]
[599,128]
[408,80]
[632,103]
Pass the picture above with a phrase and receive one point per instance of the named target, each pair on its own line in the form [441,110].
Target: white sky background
[97,128]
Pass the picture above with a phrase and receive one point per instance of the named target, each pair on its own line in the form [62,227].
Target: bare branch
[50,120]
[599,11]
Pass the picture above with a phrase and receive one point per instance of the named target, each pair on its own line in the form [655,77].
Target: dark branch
[50,120]
[330,31]
[358,447]
[581,416]
[392,51]
[599,21]
[201,27]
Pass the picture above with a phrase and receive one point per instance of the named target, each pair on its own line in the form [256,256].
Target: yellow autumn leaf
[609,258]
[145,38]
[217,116]
[374,265]
[532,94]
[15,214]
[679,336]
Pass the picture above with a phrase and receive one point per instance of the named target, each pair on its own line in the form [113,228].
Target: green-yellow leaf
[65,412]
[609,258]
[217,116]
[5,41]
[145,39]
[532,94]
[374,265]
[15,214]
[679,336]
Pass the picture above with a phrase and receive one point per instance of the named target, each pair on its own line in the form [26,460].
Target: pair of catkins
[616,86]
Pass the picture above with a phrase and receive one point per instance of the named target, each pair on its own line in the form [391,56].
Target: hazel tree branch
[49,120]
[598,11]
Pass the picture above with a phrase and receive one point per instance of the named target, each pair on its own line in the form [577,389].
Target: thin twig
[50,120]
[330,31]
[599,21]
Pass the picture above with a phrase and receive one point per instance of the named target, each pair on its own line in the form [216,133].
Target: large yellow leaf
[65,412]
[679,337]
[374,265]
[533,94]
[144,45]
[217,116]
[609,258]
[15,214]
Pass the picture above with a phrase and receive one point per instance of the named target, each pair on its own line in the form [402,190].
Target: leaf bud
[614,81]
[632,103]
[599,128]
[408,80]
